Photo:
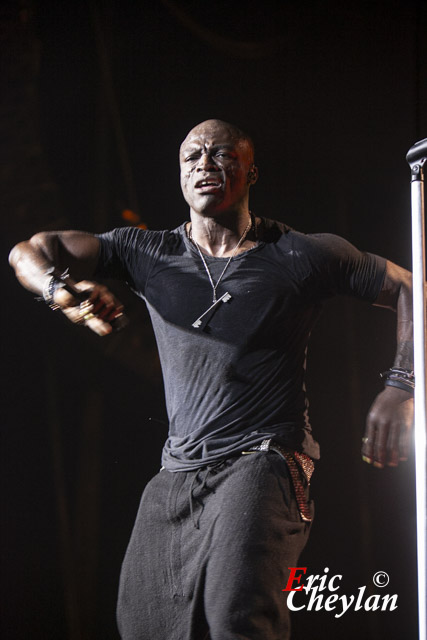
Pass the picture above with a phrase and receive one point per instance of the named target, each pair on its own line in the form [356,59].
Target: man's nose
[206,163]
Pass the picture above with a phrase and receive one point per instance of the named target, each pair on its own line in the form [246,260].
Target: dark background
[96,98]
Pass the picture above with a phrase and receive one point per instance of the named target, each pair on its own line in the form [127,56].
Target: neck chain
[235,250]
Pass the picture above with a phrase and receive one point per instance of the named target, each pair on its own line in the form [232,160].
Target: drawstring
[203,485]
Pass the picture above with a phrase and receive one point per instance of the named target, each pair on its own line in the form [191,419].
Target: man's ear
[252,174]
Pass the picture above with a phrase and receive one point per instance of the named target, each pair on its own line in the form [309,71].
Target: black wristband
[400,384]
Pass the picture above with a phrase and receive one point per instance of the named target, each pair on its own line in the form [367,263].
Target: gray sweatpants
[209,554]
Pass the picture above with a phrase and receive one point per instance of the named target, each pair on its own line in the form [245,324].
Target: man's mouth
[207,185]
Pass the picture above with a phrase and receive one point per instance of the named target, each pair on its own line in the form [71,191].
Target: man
[233,299]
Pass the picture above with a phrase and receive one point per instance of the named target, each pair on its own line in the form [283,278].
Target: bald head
[217,168]
[215,126]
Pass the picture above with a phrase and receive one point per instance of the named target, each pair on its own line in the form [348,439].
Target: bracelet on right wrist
[54,282]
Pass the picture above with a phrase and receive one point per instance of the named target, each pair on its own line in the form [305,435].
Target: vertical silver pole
[417,157]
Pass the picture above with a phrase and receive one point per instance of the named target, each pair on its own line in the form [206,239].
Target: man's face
[214,169]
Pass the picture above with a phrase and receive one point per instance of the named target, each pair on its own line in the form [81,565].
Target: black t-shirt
[240,379]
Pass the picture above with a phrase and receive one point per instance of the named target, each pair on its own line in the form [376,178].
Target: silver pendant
[203,320]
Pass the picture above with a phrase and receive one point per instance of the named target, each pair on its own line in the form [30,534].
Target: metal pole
[417,158]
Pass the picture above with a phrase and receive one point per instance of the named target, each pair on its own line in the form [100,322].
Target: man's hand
[76,252]
[96,312]
[388,428]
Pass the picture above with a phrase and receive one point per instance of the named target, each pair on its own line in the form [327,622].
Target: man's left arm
[391,416]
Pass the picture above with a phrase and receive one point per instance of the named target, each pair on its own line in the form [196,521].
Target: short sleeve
[333,266]
[127,253]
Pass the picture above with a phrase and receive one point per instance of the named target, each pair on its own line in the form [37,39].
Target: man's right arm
[78,252]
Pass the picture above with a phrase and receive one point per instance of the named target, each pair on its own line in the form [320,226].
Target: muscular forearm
[396,294]
[31,266]
[387,434]
[78,252]
[405,341]
[33,259]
